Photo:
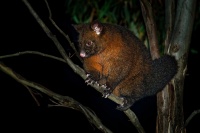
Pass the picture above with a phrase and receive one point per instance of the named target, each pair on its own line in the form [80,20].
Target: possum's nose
[82,54]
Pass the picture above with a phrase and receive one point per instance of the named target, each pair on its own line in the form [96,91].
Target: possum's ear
[78,28]
[97,27]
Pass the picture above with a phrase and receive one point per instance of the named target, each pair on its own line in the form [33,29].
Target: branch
[150,28]
[170,101]
[31,92]
[66,36]
[65,101]
[191,116]
[134,120]
[180,41]
[169,21]
[76,68]
[33,52]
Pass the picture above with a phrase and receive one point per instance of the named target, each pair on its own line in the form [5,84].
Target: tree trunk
[170,118]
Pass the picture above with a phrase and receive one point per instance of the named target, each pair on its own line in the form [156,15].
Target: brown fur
[114,56]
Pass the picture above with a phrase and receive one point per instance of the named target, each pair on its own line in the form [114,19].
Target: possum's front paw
[106,92]
[89,80]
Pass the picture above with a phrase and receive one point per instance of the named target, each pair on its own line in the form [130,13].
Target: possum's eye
[89,43]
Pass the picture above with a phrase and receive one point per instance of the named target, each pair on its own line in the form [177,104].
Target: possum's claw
[106,92]
[89,80]
[104,86]
[105,95]
[97,83]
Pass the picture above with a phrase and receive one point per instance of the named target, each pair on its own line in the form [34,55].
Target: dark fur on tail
[164,69]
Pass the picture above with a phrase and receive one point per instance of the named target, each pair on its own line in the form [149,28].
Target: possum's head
[90,38]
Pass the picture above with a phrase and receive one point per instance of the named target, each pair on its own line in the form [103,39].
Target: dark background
[19,111]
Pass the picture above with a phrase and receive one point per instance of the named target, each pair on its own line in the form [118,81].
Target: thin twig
[64,101]
[75,68]
[66,36]
[191,116]
[31,92]
[33,52]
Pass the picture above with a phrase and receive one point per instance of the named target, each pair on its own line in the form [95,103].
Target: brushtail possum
[115,59]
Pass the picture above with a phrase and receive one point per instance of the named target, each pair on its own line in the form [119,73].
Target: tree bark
[170,101]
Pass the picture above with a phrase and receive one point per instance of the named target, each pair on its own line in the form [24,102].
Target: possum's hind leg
[131,90]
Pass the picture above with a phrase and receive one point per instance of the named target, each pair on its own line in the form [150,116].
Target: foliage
[126,13]
[123,12]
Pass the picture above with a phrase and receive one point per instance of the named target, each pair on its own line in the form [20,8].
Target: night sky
[22,33]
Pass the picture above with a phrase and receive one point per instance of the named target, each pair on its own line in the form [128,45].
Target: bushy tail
[164,69]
